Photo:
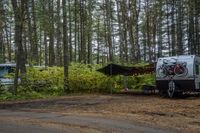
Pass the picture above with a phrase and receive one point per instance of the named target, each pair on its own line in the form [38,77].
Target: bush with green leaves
[82,79]
[2,88]
[42,82]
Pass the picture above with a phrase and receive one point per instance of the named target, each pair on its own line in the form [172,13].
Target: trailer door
[197,74]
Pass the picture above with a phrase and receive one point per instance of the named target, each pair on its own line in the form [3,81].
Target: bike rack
[171,88]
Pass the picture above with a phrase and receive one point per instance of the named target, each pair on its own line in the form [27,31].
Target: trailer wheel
[163,93]
[178,94]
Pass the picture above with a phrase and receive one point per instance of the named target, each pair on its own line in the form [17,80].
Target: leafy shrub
[2,88]
[82,79]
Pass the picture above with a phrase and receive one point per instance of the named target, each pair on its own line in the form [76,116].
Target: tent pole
[125,82]
[111,79]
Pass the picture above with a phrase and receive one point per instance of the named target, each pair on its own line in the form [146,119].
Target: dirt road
[21,122]
[100,114]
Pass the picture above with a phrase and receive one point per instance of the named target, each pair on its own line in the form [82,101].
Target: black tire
[163,93]
[178,94]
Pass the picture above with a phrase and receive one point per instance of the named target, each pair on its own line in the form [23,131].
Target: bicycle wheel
[180,71]
[162,72]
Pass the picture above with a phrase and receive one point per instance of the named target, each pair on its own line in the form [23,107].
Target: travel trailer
[178,74]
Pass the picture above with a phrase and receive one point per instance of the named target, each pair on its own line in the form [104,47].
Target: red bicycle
[172,67]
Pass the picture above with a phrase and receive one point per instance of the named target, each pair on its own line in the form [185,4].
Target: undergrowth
[45,82]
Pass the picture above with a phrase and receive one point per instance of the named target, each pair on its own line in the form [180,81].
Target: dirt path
[118,113]
[53,122]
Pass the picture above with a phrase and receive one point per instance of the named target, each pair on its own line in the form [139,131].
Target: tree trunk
[168,29]
[120,34]
[109,34]
[58,36]
[191,38]
[173,29]
[35,37]
[197,28]
[65,48]
[82,32]
[19,21]
[70,32]
[159,31]
[2,49]
[137,12]
[125,29]
[9,51]
[148,30]
[89,33]
[75,30]
[98,40]
[46,50]
[180,49]
[51,35]
[40,48]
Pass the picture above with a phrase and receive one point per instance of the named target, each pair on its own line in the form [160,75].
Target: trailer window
[197,69]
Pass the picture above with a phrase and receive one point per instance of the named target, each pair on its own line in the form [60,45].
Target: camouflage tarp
[114,69]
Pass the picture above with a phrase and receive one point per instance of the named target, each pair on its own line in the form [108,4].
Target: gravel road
[32,122]
[102,114]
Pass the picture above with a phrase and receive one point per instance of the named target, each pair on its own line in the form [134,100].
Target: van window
[3,71]
[11,69]
[197,69]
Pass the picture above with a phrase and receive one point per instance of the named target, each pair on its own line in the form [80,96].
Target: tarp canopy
[114,69]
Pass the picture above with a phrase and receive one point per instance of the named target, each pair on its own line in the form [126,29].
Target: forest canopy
[98,31]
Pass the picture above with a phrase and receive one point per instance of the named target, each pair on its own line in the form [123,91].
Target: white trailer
[178,74]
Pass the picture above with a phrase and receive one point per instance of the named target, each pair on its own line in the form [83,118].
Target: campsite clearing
[173,115]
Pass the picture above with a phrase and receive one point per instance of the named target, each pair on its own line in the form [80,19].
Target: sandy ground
[180,115]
